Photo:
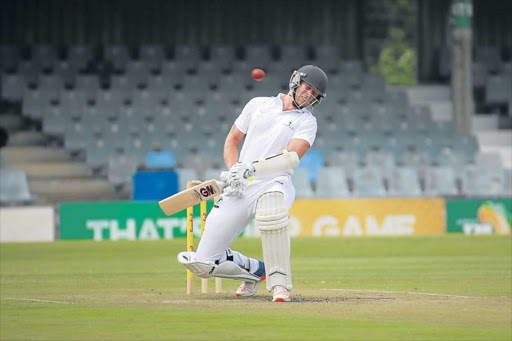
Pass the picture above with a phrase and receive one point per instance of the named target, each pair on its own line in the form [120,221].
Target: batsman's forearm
[230,153]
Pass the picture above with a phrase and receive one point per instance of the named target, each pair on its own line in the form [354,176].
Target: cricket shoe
[248,288]
[281,294]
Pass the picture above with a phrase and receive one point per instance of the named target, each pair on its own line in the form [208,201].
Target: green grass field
[409,288]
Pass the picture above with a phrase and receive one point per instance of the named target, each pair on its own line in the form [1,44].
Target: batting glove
[236,188]
[241,170]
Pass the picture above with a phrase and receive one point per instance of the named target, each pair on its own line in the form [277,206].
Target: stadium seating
[10,58]
[477,181]
[184,175]
[157,101]
[14,187]
[404,182]
[368,182]
[13,86]
[440,181]
[332,183]
[312,162]
[302,184]
[153,56]
[118,55]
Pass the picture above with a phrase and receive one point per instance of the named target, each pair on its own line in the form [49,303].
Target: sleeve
[243,120]
[307,130]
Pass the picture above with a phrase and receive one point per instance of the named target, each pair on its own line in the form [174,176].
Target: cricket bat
[192,196]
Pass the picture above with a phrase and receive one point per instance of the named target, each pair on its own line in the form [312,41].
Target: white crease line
[403,292]
[34,300]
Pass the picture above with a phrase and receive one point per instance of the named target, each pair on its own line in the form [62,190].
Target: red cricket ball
[258,74]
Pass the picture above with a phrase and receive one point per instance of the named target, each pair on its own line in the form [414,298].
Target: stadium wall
[319,218]
[27,224]
[345,217]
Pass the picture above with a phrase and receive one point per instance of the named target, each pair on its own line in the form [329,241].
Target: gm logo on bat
[207,191]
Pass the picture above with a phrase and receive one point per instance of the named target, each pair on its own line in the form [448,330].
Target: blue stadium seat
[160,160]
[154,185]
[312,161]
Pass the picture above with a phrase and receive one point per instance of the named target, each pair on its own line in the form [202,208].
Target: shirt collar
[279,101]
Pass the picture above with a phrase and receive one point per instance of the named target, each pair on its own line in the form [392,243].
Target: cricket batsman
[276,132]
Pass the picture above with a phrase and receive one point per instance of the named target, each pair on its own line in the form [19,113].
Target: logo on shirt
[288,124]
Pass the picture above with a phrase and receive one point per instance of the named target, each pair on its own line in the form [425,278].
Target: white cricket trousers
[231,216]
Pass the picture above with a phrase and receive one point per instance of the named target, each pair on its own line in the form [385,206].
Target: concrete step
[54,170]
[497,141]
[26,154]
[425,94]
[62,190]
[504,152]
[501,137]
[483,122]
[27,138]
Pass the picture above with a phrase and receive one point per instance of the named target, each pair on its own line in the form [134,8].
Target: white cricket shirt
[269,129]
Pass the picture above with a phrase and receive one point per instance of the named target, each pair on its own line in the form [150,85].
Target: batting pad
[272,220]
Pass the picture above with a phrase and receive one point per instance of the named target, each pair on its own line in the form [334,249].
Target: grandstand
[82,118]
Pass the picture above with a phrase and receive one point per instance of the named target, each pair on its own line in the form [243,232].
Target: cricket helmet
[312,75]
